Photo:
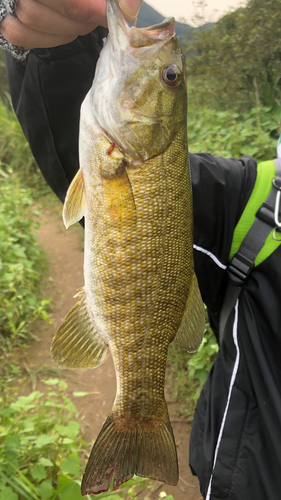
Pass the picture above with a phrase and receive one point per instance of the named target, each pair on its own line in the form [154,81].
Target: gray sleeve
[7,7]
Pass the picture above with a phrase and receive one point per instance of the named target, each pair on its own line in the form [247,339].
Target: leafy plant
[14,148]
[40,445]
[201,362]
[177,377]
[188,372]
[22,262]
[15,151]
[230,134]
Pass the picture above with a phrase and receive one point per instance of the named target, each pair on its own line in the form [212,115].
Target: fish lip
[165,29]
[137,37]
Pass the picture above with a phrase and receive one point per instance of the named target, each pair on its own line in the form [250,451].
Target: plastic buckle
[265,213]
[239,269]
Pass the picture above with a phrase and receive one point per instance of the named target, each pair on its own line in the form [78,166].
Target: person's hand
[49,23]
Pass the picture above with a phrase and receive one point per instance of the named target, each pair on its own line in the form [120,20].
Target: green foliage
[15,151]
[14,148]
[188,372]
[22,262]
[177,378]
[40,445]
[201,362]
[236,63]
[230,134]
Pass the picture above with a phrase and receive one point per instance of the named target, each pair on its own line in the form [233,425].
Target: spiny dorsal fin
[191,330]
[76,343]
[74,205]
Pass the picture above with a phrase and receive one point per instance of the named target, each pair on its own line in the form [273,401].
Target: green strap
[262,188]
[253,238]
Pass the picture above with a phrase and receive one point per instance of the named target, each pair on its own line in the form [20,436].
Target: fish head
[138,95]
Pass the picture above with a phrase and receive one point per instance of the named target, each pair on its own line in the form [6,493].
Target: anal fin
[190,333]
[76,343]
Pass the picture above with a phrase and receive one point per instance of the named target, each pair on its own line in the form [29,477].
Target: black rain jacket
[235,447]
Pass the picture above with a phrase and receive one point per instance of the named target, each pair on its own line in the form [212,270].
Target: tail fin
[147,452]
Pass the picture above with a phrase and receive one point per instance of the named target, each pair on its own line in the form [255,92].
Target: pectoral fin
[191,330]
[74,205]
[118,196]
[76,343]
[119,199]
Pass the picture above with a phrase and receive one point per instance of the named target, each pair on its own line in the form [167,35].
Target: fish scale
[140,292]
[102,287]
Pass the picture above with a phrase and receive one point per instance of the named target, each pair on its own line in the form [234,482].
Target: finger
[79,10]
[39,17]
[21,36]
[130,8]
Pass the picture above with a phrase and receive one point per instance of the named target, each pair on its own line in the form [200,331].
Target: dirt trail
[64,251]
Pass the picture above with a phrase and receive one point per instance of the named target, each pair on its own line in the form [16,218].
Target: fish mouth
[125,36]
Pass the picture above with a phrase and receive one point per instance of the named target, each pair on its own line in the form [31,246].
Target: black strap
[242,264]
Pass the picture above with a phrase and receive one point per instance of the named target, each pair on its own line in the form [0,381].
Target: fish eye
[171,75]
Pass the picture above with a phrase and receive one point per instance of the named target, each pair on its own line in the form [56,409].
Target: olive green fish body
[140,293]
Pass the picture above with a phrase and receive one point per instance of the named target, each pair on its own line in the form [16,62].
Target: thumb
[130,8]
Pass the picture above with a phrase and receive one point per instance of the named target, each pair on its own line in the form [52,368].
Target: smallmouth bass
[140,293]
